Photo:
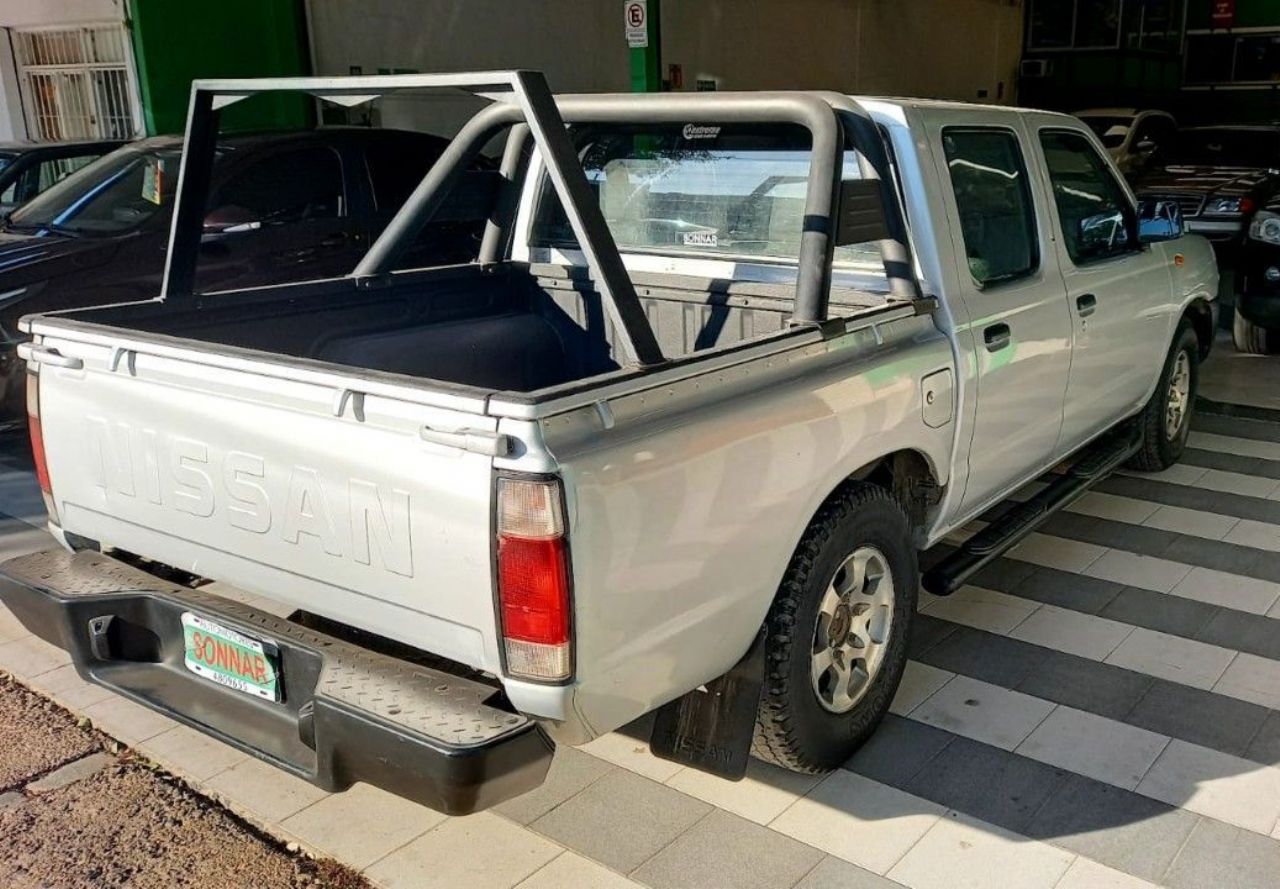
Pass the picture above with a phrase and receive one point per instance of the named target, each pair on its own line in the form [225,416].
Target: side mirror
[1159,221]
[1146,146]
[230,220]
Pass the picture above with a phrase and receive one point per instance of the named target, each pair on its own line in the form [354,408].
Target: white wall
[947,49]
[35,14]
[939,48]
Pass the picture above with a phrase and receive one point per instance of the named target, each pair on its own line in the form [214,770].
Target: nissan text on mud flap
[722,366]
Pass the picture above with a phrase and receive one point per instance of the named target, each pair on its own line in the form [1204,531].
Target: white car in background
[1130,135]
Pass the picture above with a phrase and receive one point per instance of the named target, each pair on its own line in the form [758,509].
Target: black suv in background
[28,168]
[283,207]
[1219,176]
[1226,179]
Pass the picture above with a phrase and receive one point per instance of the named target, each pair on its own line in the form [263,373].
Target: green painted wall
[177,42]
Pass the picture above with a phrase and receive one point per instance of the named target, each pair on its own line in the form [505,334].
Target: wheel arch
[908,474]
[1199,313]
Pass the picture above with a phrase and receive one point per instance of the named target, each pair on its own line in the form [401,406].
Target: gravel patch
[116,823]
[36,735]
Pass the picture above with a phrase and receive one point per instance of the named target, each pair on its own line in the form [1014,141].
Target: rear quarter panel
[685,514]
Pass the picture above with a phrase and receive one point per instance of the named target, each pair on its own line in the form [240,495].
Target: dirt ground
[125,824]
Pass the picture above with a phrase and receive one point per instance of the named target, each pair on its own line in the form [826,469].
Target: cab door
[1018,327]
[1118,292]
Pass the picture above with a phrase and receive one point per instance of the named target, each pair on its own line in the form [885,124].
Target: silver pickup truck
[723,366]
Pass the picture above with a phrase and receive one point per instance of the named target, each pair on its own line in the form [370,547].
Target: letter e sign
[637,23]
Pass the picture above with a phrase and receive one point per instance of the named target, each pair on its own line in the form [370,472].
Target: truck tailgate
[249,475]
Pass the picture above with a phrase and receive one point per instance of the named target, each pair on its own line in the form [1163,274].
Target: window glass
[291,186]
[1097,23]
[1051,23]
[395,169]
[1097,219]
[701,190]
[1111,130]
[997,215]
[1258,59]
[1156,130]
[117,193]
[57,169]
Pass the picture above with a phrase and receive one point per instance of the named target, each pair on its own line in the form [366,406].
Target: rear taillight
[533,579]
[37,442]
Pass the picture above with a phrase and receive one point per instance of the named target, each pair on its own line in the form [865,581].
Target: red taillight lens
[1247,206]
[533,579]
[535,590]
[37,442]
[37,452]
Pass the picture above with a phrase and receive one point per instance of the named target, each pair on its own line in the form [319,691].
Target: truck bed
[516,329]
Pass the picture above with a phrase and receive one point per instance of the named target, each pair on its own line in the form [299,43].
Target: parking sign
[637,23]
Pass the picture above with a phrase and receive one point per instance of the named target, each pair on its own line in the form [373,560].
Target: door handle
[997,336]
[34,354]
[1086,304]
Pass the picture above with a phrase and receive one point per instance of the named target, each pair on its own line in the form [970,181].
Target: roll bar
[524,105]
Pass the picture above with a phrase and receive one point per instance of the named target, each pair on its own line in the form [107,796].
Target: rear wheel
[1249,338]
[836,635]
[1166,420]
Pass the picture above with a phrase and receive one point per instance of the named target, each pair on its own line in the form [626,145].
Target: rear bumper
[347,714]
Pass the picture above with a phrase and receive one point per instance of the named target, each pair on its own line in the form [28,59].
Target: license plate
[229,657]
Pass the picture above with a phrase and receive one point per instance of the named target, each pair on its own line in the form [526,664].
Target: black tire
[1250,339]
[1160,450]
[793,728]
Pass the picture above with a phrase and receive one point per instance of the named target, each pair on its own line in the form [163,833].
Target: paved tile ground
[1101,708]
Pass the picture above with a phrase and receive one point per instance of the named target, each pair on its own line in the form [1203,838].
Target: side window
[997,215]
[288,187]
[395,171]
[57,169]
[1098,221]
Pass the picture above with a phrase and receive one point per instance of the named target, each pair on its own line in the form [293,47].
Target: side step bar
[1093,464]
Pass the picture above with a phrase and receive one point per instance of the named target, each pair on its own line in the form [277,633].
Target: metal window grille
[77,83]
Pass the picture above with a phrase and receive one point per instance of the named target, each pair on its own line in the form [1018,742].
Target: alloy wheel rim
[851,634]
[1178,403]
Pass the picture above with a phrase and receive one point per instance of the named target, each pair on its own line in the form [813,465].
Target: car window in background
[993,196]
[287,187]
[395,169]
[114,194]
[728,191]
[1111,130]
[1255,148]
[1097,220]
[55,169]
[1156,130]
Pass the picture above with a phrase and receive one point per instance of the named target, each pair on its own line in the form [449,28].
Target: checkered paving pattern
[1101,708]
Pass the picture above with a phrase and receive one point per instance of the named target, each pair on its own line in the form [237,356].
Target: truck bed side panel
[686,513]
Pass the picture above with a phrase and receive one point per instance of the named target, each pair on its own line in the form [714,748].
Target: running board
[1093,464]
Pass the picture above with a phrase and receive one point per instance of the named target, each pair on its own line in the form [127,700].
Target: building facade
[1202,59]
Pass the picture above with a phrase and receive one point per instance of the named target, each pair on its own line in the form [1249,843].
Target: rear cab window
[714,192]
[994,199]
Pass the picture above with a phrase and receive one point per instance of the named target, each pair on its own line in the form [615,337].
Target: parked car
[283,207]
[1131,136]
[1256,327]
[28,168]
[673,440]
[1219,176]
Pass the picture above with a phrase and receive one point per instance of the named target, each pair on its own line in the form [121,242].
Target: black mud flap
[710,728]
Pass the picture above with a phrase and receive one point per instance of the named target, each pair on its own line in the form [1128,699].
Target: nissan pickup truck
[724,365]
